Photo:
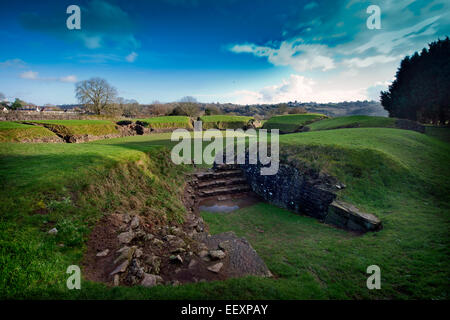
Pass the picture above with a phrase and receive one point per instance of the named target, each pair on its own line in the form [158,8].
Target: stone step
[218,175]
[221,182]
[224,167]
[224,190]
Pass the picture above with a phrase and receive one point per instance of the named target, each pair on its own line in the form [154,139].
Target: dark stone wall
[302,192]
[311,193]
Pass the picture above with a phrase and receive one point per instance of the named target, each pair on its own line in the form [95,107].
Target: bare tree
[188,99]
[96,94]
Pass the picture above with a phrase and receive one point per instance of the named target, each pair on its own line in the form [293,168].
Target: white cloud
[299,88]
[368,61]
[131,57]
[293,53]
[13,63]
[385,42]
[32,75]
[70,78]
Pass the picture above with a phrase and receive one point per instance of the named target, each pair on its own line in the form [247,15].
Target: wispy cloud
[34,75]
[131,57]
[13,63]
[29,75]
[293,53]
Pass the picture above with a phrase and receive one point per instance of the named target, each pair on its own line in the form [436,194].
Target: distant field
[352,122]
[291,122]
[225,122]
[16,132]
[167,122]
[80,127]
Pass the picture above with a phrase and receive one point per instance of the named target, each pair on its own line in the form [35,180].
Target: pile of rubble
[139,253]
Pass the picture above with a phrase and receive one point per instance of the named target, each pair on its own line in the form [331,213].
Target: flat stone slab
[241,259]
[347,216]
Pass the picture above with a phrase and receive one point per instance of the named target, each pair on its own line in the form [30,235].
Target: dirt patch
[126,249]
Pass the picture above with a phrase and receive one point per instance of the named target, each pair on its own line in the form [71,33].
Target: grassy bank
[167,122]
[353,122]
[17,132]
[79,127]
[292,122]
[225,122]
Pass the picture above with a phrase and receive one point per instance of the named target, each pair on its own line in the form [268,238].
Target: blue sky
[215,50]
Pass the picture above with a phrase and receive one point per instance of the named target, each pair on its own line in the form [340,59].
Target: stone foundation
[311,193]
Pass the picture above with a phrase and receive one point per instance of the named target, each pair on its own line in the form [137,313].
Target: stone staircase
[223,182]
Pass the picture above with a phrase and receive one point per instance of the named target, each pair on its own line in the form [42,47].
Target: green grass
[353,121]
[167,122]
[80,127]
[17,132]
[291,122]
[401,176]
[442,133]
[225,122]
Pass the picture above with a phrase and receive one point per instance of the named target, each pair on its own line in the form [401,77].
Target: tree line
[421,89]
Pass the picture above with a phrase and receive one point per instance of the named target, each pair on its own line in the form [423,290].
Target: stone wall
[311,193]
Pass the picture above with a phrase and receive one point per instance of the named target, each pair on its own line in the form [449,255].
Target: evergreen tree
[421,89]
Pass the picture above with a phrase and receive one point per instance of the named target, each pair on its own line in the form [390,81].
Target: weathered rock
[126,218]
[135,271]
[116,280]
[347,216]
[103,253]
[138,253]
[154,262]
[217,254]
[150,280]
[204,254]
[135,222]
[126,253]
[120,268]
[225,245]
[178,250]
[157,242]
[170,237]
[53,231]
[216,267]
[149,236]
[176,259]
[177,242]
[126,237]
[242,259]
[192,264]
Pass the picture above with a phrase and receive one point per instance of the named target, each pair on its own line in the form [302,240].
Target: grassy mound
[167,122]
[18,132]
[80,127]
[225,122]
[353,122]
[70,186]
[292,122]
